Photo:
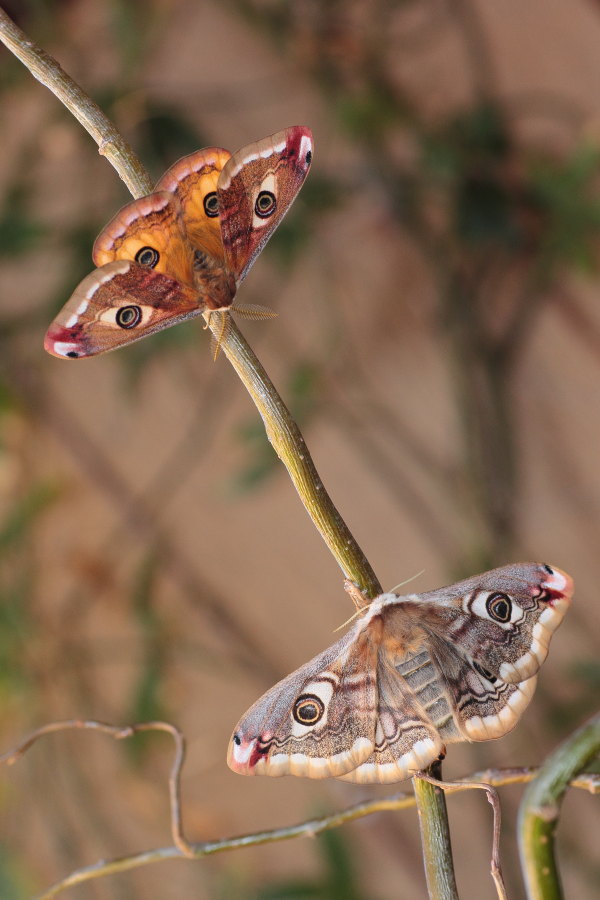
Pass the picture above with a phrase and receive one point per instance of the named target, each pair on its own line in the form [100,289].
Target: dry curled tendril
[182,847]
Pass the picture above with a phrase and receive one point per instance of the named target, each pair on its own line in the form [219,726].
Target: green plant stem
[435,840]
[540,809]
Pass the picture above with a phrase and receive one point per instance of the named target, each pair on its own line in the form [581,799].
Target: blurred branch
[46,69]
[416,37]
[544,103]
[533,297]
[579,321]
[398,483]
[56,418]
[540,809]
[477,46]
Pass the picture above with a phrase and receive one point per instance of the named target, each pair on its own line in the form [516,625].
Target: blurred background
[438,340]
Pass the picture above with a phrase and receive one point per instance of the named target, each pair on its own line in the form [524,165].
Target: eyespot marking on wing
[265,202]
[111,316]
[322,691]
[496,607]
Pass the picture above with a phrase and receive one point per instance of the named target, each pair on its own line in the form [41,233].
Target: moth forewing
[256,189]
[320,720]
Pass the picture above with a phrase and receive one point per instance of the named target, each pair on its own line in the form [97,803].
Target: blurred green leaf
[16,628]
[8,399]
[337,881]
[587,672]
[131,28]
[147,704]
[146,700]
[472,158]
[165,134]
[341,871]
[584,677]
[261,458]
[20,232]
[291,237]
[481,132]
[17,582]
[21,517]
[291,890]
[143,594]
[371,112]
[568,196]
[484,211]
[303,386]
[15,878]
[467,145]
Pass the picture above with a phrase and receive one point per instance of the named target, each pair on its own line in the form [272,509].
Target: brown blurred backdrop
[438,340]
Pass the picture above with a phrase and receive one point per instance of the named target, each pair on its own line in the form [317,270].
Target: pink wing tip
[558,583]
[61,342]
[300,137]
[300,130]
[242,755]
